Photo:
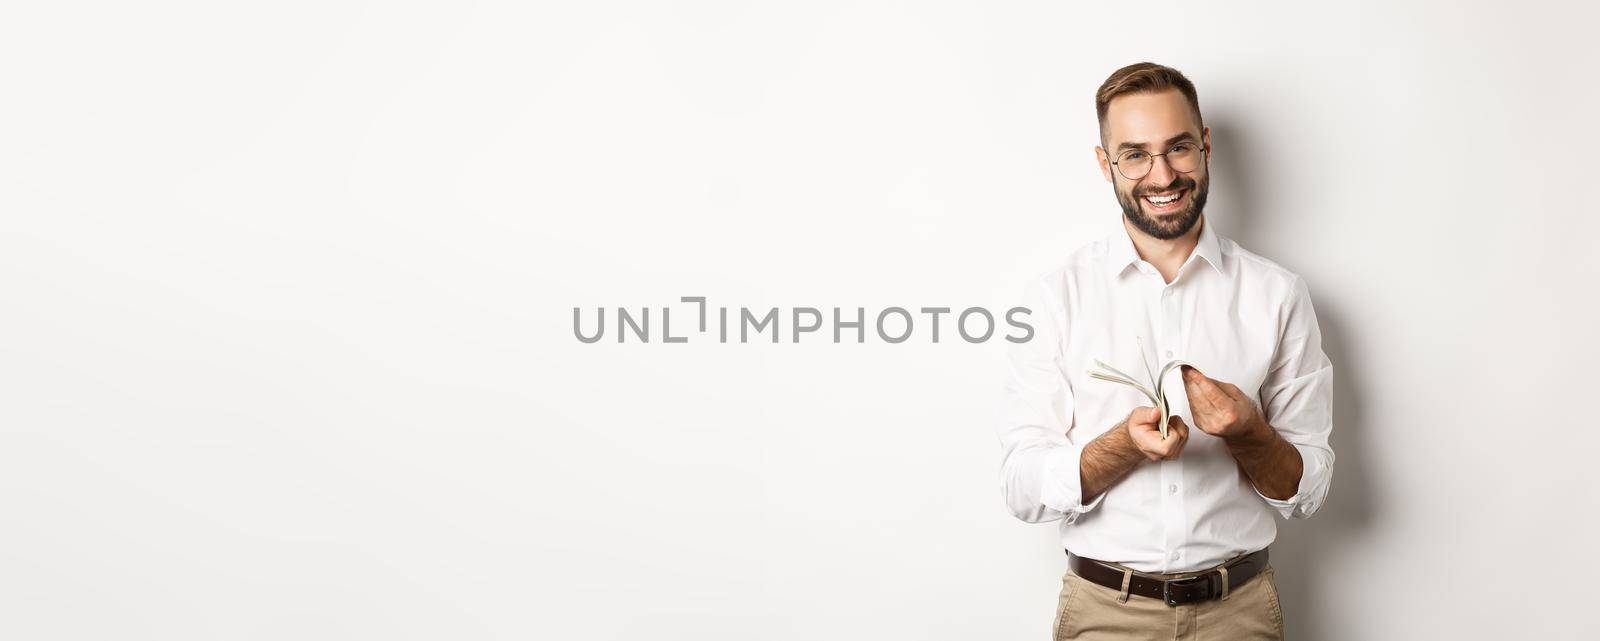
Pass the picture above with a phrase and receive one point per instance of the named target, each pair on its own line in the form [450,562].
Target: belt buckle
[1166,587]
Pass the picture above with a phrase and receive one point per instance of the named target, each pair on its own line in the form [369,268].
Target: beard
[1171,225]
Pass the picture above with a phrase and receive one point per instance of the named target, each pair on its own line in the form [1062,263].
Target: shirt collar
[1120,253]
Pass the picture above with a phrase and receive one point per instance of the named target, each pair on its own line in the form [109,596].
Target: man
[1166,536]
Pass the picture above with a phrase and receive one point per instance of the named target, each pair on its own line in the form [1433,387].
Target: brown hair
[1140,77]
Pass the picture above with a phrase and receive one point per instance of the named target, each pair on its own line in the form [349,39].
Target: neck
[1166,255]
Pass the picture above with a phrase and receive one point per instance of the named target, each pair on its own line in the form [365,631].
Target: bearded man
[1166,531]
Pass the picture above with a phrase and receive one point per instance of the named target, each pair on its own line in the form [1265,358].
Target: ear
[1105,163]
[1205,140]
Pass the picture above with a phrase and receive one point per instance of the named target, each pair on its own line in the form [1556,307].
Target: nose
[1161,173]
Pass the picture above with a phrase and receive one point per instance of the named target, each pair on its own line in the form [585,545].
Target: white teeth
[1162,200]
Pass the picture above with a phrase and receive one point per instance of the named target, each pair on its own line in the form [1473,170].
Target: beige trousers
[1090,611]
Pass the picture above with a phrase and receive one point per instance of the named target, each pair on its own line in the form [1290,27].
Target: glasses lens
[1184,157]
[1133,164]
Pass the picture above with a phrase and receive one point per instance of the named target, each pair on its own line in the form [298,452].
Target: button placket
[1171,471]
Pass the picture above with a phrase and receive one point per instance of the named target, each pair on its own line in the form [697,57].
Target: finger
[1180,433]
[1201,405]
[1208,388]
[1194,386]
[1176,428]
[1144,417]
[1191,375]
[1168,447]
[1197,377]
[1175,425]
[1151,444]
[1148,443]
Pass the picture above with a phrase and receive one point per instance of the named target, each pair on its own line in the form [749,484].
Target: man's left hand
[1220,409]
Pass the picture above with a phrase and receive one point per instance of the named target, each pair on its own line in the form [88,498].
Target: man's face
[1163,203]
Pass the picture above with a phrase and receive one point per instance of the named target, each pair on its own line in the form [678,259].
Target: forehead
[1148,117]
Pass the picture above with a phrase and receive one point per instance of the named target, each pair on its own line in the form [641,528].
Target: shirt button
[1169,353]
[1172,489]
[1175,556]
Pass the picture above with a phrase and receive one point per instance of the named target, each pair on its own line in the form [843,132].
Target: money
[1152,388]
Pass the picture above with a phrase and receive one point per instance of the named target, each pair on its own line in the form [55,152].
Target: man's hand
[1143,430]
[1220,409]
[1118,450]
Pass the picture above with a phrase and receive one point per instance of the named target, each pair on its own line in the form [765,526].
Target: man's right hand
[1120,449]
[1143,430]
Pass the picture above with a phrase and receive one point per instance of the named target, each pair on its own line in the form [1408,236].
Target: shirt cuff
[1308,474]
[1062,486]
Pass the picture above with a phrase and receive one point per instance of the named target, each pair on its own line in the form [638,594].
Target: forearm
[1107,459]
[1271,463]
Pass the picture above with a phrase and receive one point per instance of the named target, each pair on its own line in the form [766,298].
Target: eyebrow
[1170,141]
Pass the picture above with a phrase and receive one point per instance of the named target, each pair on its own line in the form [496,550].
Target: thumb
[1147,416]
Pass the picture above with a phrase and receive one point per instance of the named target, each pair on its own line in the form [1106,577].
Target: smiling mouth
[1164,202]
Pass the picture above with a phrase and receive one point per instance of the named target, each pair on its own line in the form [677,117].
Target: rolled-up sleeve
[1040,448]
[1297,400]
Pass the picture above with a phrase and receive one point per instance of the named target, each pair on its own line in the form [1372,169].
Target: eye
[1133,156]
[1183,148]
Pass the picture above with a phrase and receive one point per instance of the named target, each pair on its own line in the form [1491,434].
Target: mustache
[1178,182]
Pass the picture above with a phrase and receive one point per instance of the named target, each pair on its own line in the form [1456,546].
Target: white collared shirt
[1237,317]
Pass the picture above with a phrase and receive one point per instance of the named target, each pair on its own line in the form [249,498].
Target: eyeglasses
[1134,164]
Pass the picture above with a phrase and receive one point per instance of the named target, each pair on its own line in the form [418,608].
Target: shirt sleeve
[1040,446]
[1297,400]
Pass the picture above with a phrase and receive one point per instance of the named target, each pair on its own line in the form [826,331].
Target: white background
[286,299]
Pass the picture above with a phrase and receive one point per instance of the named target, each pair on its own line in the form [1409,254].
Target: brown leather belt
[1201,587]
